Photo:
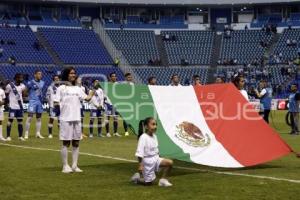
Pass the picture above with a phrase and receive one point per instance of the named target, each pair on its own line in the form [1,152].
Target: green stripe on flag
[134,103]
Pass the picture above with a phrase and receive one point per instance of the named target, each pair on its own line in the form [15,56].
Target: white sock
[64,155]
[75,154]
[38,126]
[1,136]
[27,127]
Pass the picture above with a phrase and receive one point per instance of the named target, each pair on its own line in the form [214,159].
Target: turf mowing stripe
[177,167]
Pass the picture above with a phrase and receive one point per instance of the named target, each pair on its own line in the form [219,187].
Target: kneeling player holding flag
[148,156]
[69,97]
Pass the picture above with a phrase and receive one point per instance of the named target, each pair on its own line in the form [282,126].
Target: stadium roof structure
[171,2]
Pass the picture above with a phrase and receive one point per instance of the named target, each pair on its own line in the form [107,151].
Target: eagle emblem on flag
[190,134]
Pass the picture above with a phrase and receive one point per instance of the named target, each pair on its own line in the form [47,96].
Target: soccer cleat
[2,139]
[21,138]
[164,183]
[50,136]
[91,136]
[8,139]
[108,135]
[26,135]
[126,134]
[76,170]
[67,169]
[101,136]
[38,135]
[135,178]
[117,135]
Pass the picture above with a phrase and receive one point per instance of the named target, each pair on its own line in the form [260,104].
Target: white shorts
[1,116]
[151,165]
[70,130]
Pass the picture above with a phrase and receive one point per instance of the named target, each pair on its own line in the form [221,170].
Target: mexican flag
[211,125]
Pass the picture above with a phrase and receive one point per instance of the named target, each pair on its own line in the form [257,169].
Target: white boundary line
[178,167]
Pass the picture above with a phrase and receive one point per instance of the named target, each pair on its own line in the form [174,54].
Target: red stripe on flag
[250,142]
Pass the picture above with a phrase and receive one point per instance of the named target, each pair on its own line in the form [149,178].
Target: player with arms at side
[2,102]
[96,109]
[84,89]
[53,110]
[69,97]
[15,92]
[128,80]
[35,89]
[111,110]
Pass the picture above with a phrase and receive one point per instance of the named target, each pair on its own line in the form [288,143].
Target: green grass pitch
[34,174]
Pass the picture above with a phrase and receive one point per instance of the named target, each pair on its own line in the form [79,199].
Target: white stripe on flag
[175,105]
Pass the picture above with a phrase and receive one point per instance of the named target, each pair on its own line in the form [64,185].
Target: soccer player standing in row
[175,80]
[69,97]
[110,110]
[128,80]
[2,102]
[15,92]
[35,89]
[54,110]
[96,106]
[84,89]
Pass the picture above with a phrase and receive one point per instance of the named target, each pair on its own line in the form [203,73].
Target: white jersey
[147,146]
[245,94]
[69,99]
[13,98]
[2,99]
[51,92]
[84,91]
[97,100]
[127,82]
[107,100]
[175,85]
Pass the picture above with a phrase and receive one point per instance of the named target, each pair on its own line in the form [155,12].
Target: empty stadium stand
[289,52]
[133,21]
[22,44]
[76,46]
[193,46]
[244,45]
[137,46]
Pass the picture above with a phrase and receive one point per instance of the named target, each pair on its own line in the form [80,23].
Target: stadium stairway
[161,50]
[48,48]
[215,54]
[124,65]
[271,47]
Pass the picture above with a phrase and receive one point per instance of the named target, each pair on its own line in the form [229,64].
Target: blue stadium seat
[244,45]
[194,46]
[76,46]
[137,46]
[23,49]
[288,52]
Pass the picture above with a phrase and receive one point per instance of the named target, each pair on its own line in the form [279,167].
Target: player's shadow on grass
[204,167]
[257,167]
